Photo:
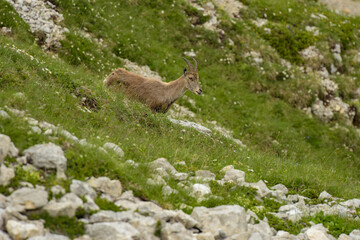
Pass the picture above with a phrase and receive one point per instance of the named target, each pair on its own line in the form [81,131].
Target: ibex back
[157,95]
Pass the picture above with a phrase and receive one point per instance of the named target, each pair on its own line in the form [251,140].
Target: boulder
[29,197]
[19,230]
[105,185]
[228,218]
[82,189]
[6,174]
[48,156]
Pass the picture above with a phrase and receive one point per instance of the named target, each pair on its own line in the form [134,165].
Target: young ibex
[157,95]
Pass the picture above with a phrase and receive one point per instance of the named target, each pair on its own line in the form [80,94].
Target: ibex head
[192,77]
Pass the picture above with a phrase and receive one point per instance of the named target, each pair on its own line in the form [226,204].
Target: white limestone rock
[205,175]
[105,185]
[82,189]
[4,146]
[115,148]
[176,231]
[235,175]
[355,234]
[65,206]
[200,190]
[4,236]
[6,174]
[262,189]
[20,230]
[228,218]
[48,156]
[162,163]
[30,198]
[111,231]
[50,236]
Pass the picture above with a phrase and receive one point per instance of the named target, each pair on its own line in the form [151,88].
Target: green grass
[259,106]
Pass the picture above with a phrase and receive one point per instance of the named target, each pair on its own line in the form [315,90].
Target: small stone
[115,148]
[48,156]
[82,189]
[66,206]
[6,174]
[36,129]
[315,234]
[324,195]
[4,146]
[162,163]
[280,187]
[229,218]
[20,230]
[57,189]
[200,190]
[205,175]
[167,191]
[355,234]
[112,230]
[175,231]
[261,187]
[226,168]
[4,115]
[50,236]
[105,185]
[29,197]
[4,236]
[234,175]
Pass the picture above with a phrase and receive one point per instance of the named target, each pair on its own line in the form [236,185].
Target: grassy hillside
[260,104]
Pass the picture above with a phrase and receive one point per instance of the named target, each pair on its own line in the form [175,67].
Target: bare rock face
[230,219]
[29,197]
[48,156]
[19,230]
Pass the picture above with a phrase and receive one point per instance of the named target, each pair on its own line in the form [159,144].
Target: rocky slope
[136,218]
[100,208]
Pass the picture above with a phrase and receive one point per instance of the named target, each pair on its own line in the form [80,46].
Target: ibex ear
[185,71]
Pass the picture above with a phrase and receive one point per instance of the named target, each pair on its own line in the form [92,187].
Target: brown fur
[157,95]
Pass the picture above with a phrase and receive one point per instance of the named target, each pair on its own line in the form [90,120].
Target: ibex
[157,95]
